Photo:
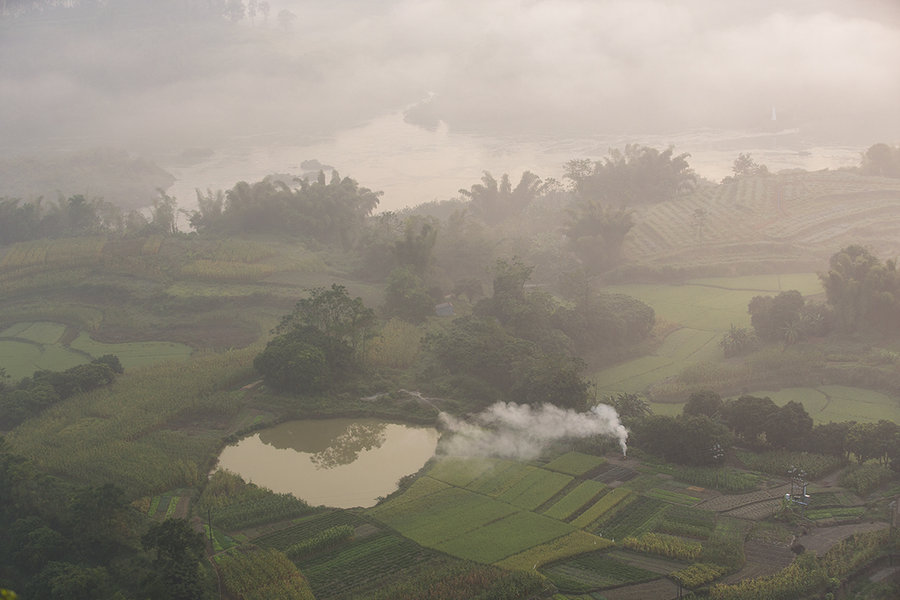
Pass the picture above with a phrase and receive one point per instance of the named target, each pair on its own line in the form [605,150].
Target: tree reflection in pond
[330,443]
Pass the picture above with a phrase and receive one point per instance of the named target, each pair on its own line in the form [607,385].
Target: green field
[704,309]
[26,347]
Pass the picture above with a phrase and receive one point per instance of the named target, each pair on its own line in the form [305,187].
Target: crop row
[263,574]
[504,537]
[724,480]
[213,270]
[673,497]
[572,544]
[583,493]
[372,560]
[601,506]
[664,545]
[321,541]
[594,570]
[697,574]
[306,527]
[686,521]
[638,518]
[66,251]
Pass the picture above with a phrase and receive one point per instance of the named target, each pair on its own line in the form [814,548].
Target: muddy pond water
[334,462]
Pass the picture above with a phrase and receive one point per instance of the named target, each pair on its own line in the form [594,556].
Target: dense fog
[163,81]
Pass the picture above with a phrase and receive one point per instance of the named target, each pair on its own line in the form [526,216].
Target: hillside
[787,222]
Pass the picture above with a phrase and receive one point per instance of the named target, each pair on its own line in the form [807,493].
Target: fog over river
[417,97]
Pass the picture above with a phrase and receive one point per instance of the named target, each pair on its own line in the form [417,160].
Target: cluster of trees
[319,344]
[788,318]
[32,395]
[329,211]
[863,291]
[637,175]
[520,345]
[64,541]
[708,426]
[881,159]
[78,215]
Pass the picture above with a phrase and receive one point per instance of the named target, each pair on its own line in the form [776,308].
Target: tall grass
[131,431]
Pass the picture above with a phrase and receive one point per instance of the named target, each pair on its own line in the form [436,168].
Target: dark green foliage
[332,312]
[293,363]
[33,394]
[330,213]
[789,426]
[690,440]
[748,416]
[704,402]
[176,571]
[738,341]
[406,296]
[319,344]
[828,438]
[864,292]
[639,175]
[606,320]
[67,581]
[771,315]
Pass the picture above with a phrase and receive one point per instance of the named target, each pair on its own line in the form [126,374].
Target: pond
[334,462]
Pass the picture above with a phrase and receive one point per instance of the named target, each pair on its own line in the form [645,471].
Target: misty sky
[492,67]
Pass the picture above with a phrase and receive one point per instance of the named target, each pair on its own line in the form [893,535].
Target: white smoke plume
[511,430]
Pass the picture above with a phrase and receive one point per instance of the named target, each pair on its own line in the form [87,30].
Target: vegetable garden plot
[592,571]
[637,518]
[572,544]
[443,515]
[366,564]
[599,508]
[504,537]
[535,488]
[616,473]
[461,471]
[577,498]
[505,479]
[575,463]
[673,497]
[307,527]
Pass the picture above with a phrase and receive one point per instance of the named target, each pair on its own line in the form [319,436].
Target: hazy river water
[334,462]
[412,165]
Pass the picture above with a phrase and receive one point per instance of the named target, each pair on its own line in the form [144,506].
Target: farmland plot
[575,463]
[535,488]
[575,499]
[594,571]
[502,538]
